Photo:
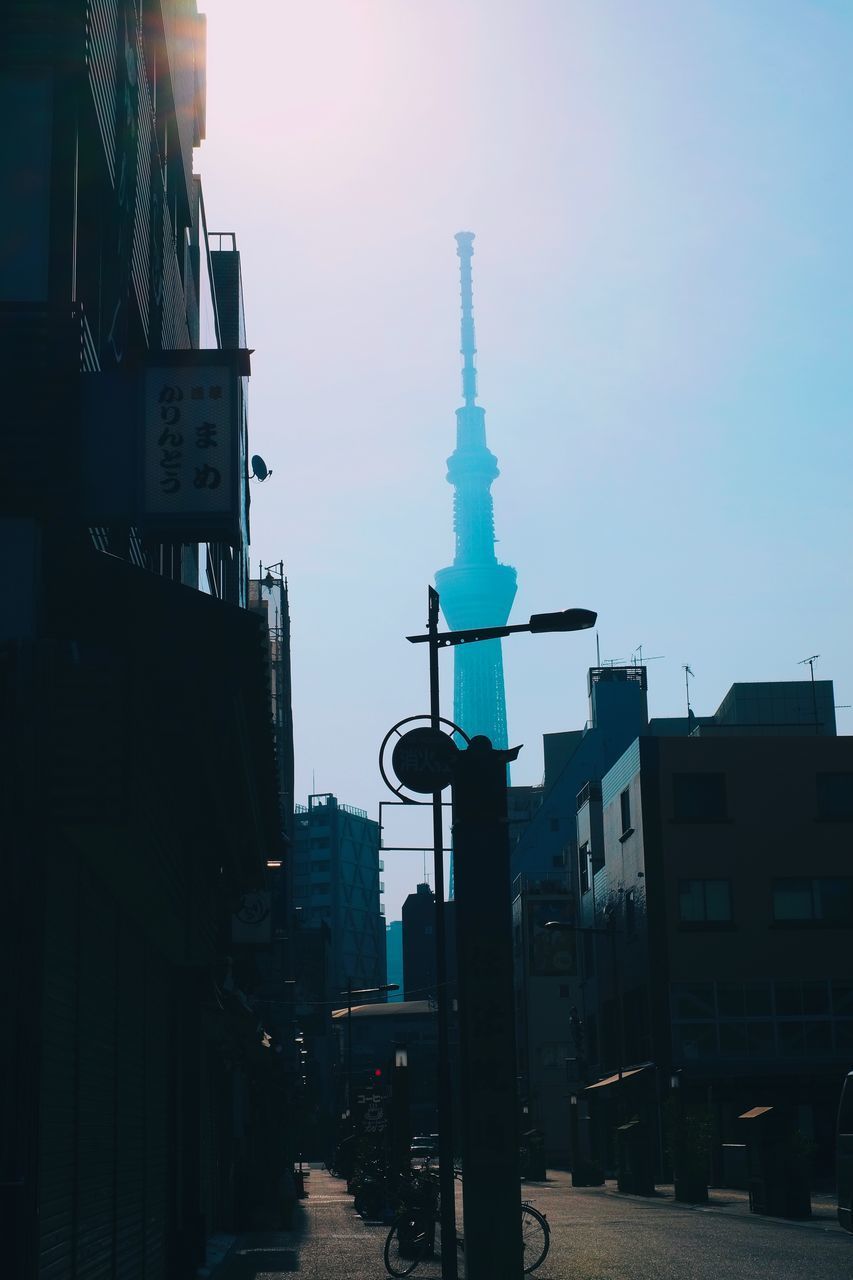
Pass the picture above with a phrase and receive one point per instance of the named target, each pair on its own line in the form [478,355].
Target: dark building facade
[723,900]
[674,870]
[140,798]
[336,869]
[419,944]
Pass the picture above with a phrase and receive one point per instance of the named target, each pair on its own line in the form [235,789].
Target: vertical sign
[189,454]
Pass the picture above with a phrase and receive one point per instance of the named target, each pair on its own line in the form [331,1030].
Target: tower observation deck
[476,590]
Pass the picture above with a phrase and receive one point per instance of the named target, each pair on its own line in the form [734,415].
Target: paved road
[600,1235]
[596,1235]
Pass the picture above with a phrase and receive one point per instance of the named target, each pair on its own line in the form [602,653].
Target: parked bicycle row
[409,1203]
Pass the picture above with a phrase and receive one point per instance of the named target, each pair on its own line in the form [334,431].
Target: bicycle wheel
[535,1238]
[407,1242]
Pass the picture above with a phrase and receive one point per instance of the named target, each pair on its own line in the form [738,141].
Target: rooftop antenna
[811,661]
[688,673]
[637,656]
[597,651]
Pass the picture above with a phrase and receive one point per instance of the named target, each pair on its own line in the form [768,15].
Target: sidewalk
[721,1200]
[328,1239]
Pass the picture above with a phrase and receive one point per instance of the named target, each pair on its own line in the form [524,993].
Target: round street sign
[423,760]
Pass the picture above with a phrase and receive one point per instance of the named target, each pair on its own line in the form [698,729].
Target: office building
[336,880]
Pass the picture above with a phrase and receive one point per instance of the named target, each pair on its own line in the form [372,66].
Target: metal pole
[445,1099]
[349,1049]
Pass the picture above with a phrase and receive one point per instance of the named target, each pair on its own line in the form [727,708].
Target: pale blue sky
[663,200]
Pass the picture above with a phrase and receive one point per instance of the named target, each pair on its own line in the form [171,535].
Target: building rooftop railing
[545,883]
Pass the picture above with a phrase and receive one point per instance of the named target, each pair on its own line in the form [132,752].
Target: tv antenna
[688,675]
[637,658]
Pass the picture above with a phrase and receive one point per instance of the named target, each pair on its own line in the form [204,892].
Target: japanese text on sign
[188,441]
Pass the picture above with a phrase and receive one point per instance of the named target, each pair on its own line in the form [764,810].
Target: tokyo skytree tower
[476,590]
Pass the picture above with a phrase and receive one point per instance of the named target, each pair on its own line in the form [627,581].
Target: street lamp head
[556,924]
[567,620]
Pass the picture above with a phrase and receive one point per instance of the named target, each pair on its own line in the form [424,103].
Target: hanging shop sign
[251,923]
[194,472]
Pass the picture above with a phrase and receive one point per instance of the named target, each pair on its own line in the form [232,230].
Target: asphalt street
[597,1234]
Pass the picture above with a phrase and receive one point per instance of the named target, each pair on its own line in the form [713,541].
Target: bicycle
[412,1239]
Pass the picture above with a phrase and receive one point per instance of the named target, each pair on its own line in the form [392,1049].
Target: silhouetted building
[140,798]
[419,944]
[694,867]
[377,1031]
[336,880]
[722,886]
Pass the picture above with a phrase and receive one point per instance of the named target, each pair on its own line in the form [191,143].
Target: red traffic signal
[377,1073]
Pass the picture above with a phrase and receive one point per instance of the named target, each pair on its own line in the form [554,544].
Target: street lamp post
[568,620]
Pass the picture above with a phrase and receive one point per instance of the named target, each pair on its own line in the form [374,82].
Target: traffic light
[377,1073]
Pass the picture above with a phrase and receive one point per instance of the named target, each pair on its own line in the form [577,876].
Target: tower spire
[468,344]
[476,590]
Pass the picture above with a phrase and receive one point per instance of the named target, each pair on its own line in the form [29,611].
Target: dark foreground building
[141,792]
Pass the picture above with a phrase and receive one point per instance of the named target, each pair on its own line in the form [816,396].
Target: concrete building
[377,1030]
[628,928]
[140,798]
[724,884]
[336,880]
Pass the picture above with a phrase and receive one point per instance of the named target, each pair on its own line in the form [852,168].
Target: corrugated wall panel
[183,36]
[101,26]
[96,1074]
[58,1085]
[141,251]
[617,779]
[176,335]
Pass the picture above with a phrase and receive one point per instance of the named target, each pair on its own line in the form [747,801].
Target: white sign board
[189,419]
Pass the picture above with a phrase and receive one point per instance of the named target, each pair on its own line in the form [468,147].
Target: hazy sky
[662,196]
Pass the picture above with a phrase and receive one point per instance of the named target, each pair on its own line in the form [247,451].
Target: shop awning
[617,1078]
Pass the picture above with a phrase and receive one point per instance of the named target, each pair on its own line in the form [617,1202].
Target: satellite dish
[260,470]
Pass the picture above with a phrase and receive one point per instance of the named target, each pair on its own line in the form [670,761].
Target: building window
[820,900]
[705,901]
[565,990]
[835,796]
[320,866]
[625,808]
[699,797]
[554,824]
[583,858]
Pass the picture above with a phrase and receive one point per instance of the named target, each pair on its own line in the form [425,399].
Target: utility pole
[489,1086]
[447,1181]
